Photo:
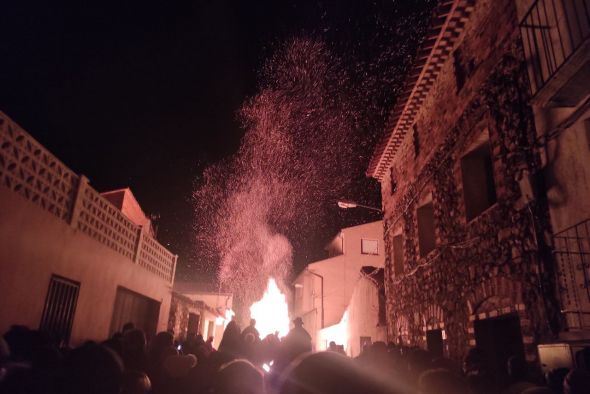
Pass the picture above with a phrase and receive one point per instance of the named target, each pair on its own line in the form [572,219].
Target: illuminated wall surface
[55,225]
[344,290]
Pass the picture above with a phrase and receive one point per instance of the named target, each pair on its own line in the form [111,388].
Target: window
[479,191]
[369,246]
[459,69]
[193,323]
[426,234]
[398,255]
[393,181]
[416,140]
[60,307]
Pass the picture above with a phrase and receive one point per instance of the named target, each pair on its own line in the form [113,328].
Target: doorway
[500,338]
[193,324]
[434,342]
[136,308]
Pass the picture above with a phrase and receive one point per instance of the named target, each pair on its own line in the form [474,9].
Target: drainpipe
[321,290]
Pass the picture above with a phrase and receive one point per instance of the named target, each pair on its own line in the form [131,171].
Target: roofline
[222,293]
[116,190]
[446,26]
[125,190]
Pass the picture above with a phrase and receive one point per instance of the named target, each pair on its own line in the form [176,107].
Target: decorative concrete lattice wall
[30,170]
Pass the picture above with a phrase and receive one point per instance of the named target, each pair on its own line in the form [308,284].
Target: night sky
[144,94]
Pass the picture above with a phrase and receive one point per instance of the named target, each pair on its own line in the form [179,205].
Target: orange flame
[271,311]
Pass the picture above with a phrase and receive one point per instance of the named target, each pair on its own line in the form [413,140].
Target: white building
[73,262]
[338,298]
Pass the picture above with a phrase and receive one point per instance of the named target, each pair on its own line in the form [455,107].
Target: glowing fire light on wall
[339,333]
[271,311]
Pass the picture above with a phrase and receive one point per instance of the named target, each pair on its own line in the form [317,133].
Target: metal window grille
[552,30]
[572,252]
[60,307]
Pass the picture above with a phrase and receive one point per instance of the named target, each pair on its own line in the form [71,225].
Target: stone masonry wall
[494,264]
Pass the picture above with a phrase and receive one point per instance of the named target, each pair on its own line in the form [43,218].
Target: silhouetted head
[330,373]
[475,361]
[161,341]
[441,381]
[239,377]
[136,382]
[92,369]
[298,322]
[576,381]
[134,341]
[177,366]
[555,378]
[128,327]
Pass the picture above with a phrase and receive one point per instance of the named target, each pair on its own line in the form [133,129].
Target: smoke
[308,135]
[301,135]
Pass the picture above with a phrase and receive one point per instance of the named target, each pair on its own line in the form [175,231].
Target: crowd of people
[247,364]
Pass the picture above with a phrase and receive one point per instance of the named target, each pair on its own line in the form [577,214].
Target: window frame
[482,140]
[370,254]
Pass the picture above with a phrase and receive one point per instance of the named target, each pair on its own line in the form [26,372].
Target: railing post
[77,205]
[138,244]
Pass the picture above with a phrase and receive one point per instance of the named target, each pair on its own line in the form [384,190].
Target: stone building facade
[468,258]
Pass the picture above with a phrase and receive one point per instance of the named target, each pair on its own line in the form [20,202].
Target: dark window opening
[59,310]
[426,234]
[398,255]
[434,342]
[460,73]
[193,323]
[416,141]
[392,181]
[479,190]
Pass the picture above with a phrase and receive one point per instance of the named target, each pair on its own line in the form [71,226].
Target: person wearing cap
[298,340]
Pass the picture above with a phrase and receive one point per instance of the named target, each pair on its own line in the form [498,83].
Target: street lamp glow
[346,204]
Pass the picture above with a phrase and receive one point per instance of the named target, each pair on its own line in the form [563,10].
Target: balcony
[556,40]
[572,252]
[30,170]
